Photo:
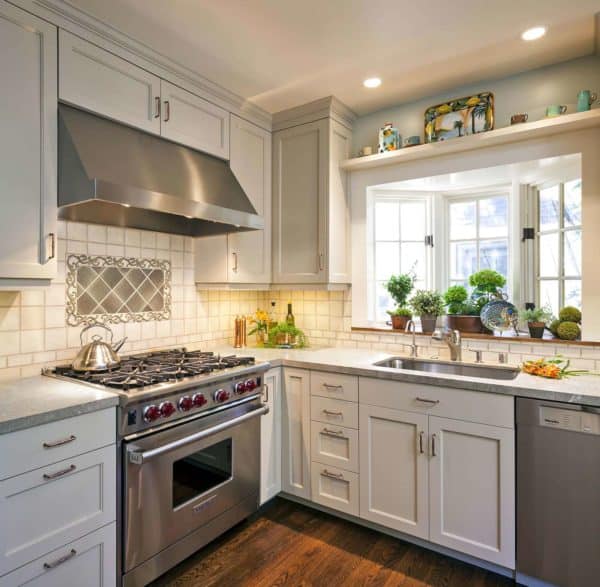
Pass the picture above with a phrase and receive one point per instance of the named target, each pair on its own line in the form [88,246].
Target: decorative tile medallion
[110,290]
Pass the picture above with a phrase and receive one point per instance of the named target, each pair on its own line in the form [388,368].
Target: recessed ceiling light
[372,82]
[537,32]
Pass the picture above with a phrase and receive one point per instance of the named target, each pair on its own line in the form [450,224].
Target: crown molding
[329,107]
[65,14]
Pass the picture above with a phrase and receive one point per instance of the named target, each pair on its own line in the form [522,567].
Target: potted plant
[537,319]
[286,335]
[428,305]
[261,326]
[487,286]
[399,288]
[462,313]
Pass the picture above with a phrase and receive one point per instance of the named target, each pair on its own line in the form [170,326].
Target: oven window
[201,471]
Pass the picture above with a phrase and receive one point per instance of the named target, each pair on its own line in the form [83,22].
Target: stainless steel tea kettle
[98,355]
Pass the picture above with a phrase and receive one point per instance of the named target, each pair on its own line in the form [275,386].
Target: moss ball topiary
[568,331]
[570,314]
[554,327]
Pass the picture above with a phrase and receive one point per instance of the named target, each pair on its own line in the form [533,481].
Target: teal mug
[585,99]
[555,110]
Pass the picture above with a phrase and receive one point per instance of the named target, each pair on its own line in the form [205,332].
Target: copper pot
[399,322]
[464,323]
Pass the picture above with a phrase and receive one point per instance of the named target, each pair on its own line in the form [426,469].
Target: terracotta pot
[536,329]
[464,323]
[399,322]
[428,323]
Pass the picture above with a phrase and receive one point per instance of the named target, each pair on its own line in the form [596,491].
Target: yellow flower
[473,101]
[443,109]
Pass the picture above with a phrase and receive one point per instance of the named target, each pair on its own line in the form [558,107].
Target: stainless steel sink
[450,368]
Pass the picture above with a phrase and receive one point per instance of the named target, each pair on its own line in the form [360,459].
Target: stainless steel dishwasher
[558,494]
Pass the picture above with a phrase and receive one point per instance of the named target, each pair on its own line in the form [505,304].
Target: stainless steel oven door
[178,479]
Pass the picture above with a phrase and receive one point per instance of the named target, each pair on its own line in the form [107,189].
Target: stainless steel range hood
[112,174]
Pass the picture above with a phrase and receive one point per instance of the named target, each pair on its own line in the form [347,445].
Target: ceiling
[282,53]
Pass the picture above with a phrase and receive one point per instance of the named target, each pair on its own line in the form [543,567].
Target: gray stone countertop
[28,402]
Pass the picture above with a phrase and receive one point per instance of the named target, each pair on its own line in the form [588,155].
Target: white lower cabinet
[334,445]
[472,492]
[87,562]
[335,488]
[270,438]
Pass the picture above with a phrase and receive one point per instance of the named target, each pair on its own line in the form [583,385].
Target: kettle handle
[94,325]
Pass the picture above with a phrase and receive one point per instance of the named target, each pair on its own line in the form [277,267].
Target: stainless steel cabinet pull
[433,450]
[167,111]
[320,261]
[235,262]
[60,442]
[431,402]
[61,560]
[52,237]
[337,433]
[329,386]
[327,473]
[330,413]
[266,394]
[157,107]
[59,473]
[421,435]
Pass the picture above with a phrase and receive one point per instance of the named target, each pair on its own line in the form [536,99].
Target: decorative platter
[499,315]
[460,117]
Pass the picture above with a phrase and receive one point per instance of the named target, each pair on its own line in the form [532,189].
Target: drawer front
[472,406]
[88,562]
[57,504]
[42,445]
[334,445]
[334,411]
[334,385]
[335,488]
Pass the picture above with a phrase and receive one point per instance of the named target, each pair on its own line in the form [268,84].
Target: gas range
[157,388]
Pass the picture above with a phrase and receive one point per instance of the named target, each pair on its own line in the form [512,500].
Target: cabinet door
[300,166]
[393,469]
[28,163]
[250,252]
[472,489]
[210,259]
[193,121]
[101,82]
[270,438]
[295,451]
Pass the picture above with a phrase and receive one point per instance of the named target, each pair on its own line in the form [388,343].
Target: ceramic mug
[555,110]
[412,140]
[519,118]
[585,99]
[365,151]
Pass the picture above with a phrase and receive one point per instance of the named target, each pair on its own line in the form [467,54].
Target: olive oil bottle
[289,319]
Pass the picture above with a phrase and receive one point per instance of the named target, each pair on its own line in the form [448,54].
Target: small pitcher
[585,99]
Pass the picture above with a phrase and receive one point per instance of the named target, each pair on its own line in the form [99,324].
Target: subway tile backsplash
[34,332]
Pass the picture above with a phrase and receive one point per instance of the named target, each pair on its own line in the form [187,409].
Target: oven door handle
[138,457]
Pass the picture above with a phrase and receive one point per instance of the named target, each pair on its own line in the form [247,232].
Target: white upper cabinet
[28,161]
[101,82]
[192,121]
[311,226]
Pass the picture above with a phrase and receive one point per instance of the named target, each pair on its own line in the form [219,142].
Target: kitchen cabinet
[335,488]
[28,154]
[244,257]
[270,438]
[295,444]
[311,215]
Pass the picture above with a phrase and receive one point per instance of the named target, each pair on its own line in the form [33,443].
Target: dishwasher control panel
[571,420]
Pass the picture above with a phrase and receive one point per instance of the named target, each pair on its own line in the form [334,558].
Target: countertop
[28,402]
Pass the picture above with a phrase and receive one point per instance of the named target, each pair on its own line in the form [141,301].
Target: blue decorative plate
[499,315]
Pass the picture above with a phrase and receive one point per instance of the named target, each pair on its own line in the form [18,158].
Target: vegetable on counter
[556,368]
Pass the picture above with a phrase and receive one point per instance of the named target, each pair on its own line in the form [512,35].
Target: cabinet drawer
[52,506]
[87,562]
[335,488]
[334,411]
[334,445]
[472,406]
[334,385]
[42,445]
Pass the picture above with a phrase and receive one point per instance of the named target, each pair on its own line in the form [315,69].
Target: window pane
[549,255]
[462,220]
[573,203]
[572,252]
[463,260]
[383,302]
[549,295]
[493,217]
[573,292]
[412,221]
[413,255]
[387,260]
[549,208]
[386,221]
[494,255]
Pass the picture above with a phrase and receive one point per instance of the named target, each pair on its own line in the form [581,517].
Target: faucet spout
[411,327]
[454,341]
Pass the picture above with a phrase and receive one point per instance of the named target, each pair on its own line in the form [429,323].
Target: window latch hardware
[528,234]
[429,240]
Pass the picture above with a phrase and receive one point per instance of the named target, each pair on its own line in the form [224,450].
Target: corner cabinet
[311,214]
[28,160]
[243,257]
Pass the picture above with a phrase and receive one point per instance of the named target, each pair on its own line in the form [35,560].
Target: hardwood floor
[287,544]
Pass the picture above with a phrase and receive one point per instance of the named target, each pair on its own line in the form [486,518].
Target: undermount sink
[450,368]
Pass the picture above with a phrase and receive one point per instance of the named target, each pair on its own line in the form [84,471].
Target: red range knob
[185,403]
[221,395]
[167,409]
[250,385]
[199,400]
[151,413]
[240,388]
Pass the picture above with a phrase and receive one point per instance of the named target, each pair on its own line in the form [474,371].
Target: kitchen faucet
[410,327]
[452,339]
